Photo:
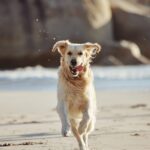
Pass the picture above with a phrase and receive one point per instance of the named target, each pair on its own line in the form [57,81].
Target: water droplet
[37,20]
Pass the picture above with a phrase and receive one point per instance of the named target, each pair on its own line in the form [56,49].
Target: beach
[33,37]
[28,121]
[28,118]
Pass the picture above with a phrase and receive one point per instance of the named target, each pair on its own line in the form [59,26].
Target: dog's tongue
[79,68]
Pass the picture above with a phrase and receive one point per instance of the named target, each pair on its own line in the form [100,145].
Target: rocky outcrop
[132,22]
[29,28]
[120,53]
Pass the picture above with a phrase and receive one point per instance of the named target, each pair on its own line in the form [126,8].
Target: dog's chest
[76,103]
[76,100]
[76,94]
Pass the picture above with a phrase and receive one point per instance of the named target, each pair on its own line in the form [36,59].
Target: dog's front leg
[62,111]
[85,120]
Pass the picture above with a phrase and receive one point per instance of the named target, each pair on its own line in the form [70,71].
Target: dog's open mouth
[75,70]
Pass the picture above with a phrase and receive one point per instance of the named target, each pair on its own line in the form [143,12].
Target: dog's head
[76,56]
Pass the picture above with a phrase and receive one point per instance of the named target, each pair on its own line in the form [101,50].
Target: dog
[76,104]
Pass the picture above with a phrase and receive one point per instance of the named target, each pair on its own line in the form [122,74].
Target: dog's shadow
[29,136]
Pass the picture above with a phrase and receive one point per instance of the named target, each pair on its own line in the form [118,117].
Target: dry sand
[28,121]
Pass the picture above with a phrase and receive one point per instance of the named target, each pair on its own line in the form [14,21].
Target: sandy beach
[28,121]
[38,36]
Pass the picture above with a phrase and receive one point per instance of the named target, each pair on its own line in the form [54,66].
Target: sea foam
[38,77]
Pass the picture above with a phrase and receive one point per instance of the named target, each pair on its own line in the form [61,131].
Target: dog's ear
[92,48]
[60,46]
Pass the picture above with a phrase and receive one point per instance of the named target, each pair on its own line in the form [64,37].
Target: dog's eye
[80,53]
[69,53]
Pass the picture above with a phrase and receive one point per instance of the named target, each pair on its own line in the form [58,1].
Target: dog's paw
[66,132]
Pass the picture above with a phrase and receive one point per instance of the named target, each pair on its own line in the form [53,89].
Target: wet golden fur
[76,95]
[76,87]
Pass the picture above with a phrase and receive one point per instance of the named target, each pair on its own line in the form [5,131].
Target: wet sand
[28,121]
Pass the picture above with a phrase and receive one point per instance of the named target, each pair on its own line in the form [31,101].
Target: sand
[28,121]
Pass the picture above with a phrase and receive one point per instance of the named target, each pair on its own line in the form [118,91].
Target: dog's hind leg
[91,125]
[89,129]
[84,123]
[85,138]
[79,137]
[62,111]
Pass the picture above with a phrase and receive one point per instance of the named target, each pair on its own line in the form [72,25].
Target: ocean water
[105,78]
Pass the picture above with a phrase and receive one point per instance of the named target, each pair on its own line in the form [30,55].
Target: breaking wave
[46,78]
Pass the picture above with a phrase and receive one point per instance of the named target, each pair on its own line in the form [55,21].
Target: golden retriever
[76,95]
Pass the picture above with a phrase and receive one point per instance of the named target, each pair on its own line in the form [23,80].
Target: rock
[29,28]
[120,53]
[132,23]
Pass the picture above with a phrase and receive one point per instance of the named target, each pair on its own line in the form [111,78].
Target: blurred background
[29,28]
[28,71]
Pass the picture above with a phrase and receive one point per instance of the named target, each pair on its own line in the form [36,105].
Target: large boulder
[132,22]
[120,53]
[29,28]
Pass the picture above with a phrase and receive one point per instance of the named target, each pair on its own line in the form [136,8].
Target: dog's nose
[73,62]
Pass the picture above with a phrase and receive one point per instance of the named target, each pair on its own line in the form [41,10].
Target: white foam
[125,72]
[40,78]
[29,72]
